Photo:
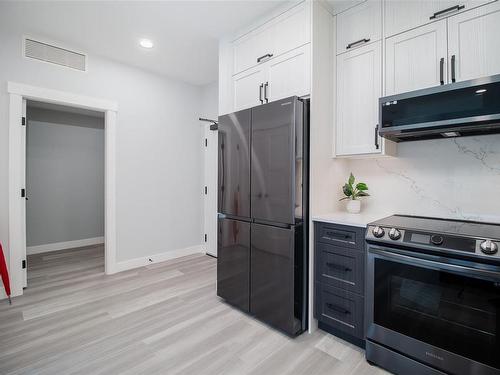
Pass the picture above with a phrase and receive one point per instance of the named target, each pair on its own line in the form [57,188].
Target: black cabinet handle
[441,71]
[377,145]
[364,40]
[338,235]
[260,93]
[336,308]
[441,12]
[338,267]
[453,61]
[267,55]
[266,85]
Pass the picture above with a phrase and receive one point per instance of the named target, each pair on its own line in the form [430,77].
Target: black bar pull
[364,40]
[377,145]
[339,309]
[441,71]
[453,74]
[266,85]
[338,267]
[260,93]
[266,56]
[455,8]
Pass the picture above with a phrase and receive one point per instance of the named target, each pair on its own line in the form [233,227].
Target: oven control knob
[378,232]
[394,234]
[489,247]
[437,240]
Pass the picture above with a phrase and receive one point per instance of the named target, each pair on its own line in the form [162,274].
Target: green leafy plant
[354,191]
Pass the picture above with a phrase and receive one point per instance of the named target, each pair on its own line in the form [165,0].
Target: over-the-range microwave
[456,109]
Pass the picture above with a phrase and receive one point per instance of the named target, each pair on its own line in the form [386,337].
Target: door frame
[17,168]
[210,182]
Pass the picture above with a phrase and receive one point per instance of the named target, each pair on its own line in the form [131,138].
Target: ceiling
[185,33]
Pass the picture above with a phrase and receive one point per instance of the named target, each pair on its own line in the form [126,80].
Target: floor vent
[35,49]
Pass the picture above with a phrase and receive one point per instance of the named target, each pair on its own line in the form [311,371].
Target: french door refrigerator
[262,239]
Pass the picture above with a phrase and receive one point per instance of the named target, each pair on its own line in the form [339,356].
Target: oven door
[440,311]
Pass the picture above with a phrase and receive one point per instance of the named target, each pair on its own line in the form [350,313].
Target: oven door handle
[471,271]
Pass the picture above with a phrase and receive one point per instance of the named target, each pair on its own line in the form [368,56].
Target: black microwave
[456,109]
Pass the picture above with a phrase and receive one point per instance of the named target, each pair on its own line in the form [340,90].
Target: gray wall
[64,177]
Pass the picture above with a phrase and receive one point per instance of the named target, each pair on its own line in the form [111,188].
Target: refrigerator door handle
[221,216]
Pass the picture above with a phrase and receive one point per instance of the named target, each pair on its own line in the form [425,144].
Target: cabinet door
[416,58]
[289,74]
[405,15]
[359,86]
[474,44]
[292,29]
[247,88]
[251,46]
[359,25]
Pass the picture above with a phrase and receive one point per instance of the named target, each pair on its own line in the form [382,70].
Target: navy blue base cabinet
[339,280]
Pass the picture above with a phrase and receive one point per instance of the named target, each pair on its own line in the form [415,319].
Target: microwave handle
[377,145]
[475,272]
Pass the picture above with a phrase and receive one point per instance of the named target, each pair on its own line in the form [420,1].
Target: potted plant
[353,191]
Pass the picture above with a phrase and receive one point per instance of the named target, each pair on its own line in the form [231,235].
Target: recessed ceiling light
[146,43]
[480,91]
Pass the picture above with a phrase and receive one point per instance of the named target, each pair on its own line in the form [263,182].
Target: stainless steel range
[433,296]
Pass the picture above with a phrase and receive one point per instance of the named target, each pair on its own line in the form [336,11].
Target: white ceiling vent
[35,49]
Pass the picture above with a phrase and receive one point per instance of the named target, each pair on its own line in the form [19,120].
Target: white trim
[16,244]
[61,97]
[64,245]
[157,258]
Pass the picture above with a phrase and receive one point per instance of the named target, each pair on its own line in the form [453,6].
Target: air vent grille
[35,49]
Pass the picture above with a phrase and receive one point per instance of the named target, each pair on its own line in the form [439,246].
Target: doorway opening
[64,190]
[19,95]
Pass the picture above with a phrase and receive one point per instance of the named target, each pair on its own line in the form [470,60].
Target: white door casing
[16,247]
[210,202]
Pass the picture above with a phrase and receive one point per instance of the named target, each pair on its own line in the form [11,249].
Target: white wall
[158,176]
[64,177]
[453,178]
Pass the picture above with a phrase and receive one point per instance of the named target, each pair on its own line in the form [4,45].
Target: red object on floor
[4,273]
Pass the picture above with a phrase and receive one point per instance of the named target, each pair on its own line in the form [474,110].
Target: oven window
[453,312]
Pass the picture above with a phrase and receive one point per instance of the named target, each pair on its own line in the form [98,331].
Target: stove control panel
[477,247]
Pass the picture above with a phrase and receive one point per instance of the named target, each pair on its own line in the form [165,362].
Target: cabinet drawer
[340,267]
[341,235]
[340,309]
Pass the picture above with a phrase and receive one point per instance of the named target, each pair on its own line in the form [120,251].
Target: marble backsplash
[452,178]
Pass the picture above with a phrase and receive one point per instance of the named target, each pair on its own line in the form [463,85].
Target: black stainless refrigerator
[262,241]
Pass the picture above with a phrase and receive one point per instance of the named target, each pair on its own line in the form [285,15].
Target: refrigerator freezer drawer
[233,262]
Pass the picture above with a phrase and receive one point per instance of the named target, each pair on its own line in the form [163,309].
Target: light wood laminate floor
[160,319]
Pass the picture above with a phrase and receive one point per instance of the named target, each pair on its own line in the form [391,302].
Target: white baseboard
[63,245]
[157,258]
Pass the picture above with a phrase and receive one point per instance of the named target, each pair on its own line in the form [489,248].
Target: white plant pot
[353,206]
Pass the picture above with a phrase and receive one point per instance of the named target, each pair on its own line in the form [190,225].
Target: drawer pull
[336,308]
[338,235]
[364,40]
[338,267]
[266,56]
[455,8]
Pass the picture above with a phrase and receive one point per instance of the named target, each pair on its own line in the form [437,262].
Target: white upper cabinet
[359,86]
[253,48]
[248,88]
[359,25]
[271,62]
[287,31]
[289,74]
[292,29]
[405,15]
[474,43]
[416,59]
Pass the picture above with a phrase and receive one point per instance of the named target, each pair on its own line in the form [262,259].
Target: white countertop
[345,218]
